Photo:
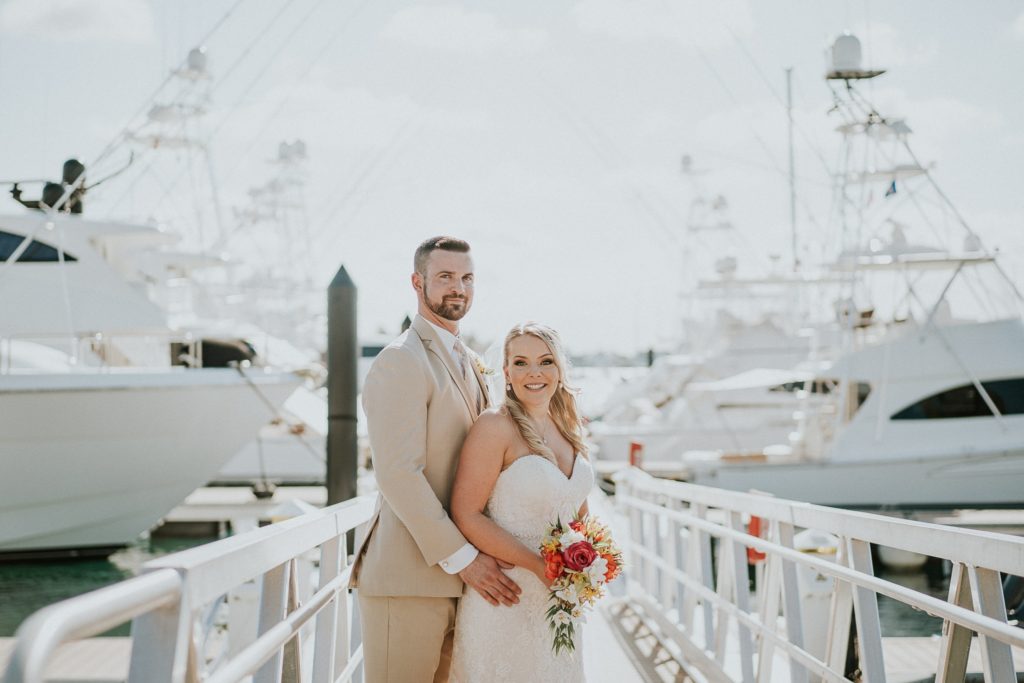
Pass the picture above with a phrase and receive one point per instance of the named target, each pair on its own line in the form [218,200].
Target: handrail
[1002,552]
[166,600]
[689,593]
[258,652]
[927,603]
[86,615]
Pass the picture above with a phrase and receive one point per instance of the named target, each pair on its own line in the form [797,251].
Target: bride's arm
[479,466]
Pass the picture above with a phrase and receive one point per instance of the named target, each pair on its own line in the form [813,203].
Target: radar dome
[846,53]
[197,59]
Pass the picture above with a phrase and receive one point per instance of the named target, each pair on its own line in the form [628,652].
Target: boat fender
[754,529]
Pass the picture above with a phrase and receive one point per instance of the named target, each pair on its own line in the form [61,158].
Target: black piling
[342,389]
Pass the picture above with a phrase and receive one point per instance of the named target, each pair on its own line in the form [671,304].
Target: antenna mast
[792,169]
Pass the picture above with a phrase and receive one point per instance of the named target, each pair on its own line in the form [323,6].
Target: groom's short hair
[428,246]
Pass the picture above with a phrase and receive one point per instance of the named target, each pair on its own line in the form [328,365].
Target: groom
[421,396]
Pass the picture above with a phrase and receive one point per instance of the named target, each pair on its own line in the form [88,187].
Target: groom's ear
[417,281]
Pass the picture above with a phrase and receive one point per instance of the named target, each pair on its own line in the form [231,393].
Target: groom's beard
[448,307]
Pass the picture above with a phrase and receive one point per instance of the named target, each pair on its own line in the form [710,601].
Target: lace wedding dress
[513,644]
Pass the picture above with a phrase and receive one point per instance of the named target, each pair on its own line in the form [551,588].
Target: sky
[548,135]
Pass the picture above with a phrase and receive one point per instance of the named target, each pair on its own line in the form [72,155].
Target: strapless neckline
[568,477]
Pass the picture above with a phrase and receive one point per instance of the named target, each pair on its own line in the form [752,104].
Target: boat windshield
[35,252]
[967,401]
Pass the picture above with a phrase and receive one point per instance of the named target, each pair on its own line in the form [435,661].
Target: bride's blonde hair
[563,410]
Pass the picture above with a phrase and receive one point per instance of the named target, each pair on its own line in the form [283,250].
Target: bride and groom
[451,585]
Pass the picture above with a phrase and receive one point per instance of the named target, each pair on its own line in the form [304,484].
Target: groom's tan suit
[419,409]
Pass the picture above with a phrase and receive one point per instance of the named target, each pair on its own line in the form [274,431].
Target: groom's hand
[487,579]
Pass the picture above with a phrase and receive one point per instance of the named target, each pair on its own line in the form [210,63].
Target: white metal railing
[700,603]
[168,599]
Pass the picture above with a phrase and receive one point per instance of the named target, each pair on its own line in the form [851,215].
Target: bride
[523,465]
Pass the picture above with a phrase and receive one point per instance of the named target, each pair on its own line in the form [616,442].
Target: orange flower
[613,568]
[553,564]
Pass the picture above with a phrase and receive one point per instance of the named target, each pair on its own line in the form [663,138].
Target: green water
[28,586]
[899,619]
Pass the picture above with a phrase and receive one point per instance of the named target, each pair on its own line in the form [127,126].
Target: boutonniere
[481,368]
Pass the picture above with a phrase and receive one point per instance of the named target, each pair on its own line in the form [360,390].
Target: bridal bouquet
[581,558]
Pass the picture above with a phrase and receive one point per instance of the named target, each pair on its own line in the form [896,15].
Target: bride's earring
[508,387]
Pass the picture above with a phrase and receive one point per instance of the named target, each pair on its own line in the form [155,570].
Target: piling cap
[342,280]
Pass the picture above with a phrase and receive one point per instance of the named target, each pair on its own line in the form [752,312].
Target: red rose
[579,555]
[553,566]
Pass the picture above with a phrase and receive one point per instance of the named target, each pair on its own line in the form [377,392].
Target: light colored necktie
[463,361]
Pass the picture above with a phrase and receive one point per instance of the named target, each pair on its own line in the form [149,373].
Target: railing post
[741,585]
[636,533]
[956,640]
[291,664]
[865,605]
[325,640]
[836,647]
[650,535]
[987,594]
[674,553]
[662,529]
[161,640]
[770,588]
[701,542]
[343,616]
[273,603]
[791,602]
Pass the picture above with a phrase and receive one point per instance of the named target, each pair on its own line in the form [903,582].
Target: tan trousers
[407,639]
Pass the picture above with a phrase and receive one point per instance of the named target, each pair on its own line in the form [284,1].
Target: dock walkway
[681,614]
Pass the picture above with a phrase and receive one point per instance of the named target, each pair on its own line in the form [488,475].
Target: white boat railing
[99,351]
[167,602]
[699,601]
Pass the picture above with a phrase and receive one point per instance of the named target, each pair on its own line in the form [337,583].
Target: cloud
[1018,27]
[454,29]
[692,22]
[121,21]
[886,47]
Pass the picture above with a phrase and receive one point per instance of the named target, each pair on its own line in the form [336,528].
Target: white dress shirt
[461,558]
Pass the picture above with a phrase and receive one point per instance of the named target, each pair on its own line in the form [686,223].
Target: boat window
[823,387]
[36,252]
[818,386]
[967,401]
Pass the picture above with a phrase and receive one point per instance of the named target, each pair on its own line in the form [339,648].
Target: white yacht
[108,418]
[911,405]
[920,431]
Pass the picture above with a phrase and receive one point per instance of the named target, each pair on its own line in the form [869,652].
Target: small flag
[892,188]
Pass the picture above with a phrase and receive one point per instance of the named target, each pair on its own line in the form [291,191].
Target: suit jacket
[418,412]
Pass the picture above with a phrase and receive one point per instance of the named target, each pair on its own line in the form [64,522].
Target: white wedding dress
[513,644]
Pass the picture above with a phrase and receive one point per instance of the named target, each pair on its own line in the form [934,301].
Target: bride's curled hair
[563,410]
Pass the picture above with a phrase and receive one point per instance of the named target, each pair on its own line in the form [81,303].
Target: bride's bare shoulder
[494,422]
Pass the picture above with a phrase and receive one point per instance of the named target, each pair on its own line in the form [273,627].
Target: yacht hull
[90,461]
[974,480]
